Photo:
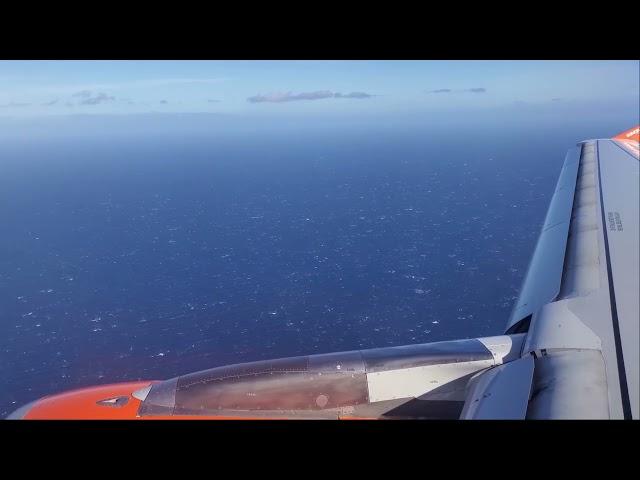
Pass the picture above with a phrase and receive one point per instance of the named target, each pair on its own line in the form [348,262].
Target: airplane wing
[579,302]
[570,349]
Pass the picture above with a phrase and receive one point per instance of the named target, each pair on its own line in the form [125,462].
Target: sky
[337,88]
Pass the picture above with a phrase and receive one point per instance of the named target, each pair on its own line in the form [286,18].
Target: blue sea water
[128,257]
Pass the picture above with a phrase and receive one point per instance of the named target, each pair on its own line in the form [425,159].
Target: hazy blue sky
[35,88]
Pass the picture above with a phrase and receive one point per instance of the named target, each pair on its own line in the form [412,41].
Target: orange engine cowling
[118,401]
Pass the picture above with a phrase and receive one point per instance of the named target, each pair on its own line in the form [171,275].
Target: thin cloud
[317,95]
[164,102]
[48,104]
[14,104]
[89,98]
[353,95]
[448,90]
[82,94]
[99,98]
[557,99]
[68,89]
[213,101]
[289,97]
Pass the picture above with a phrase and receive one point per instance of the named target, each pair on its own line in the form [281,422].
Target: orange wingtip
[632,134]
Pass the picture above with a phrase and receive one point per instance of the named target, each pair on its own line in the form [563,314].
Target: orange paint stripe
[633,134]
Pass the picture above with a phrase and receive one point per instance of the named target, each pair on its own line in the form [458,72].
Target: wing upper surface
[596,307]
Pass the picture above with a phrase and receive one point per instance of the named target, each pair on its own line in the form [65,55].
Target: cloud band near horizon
[317,95]
[448,90]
